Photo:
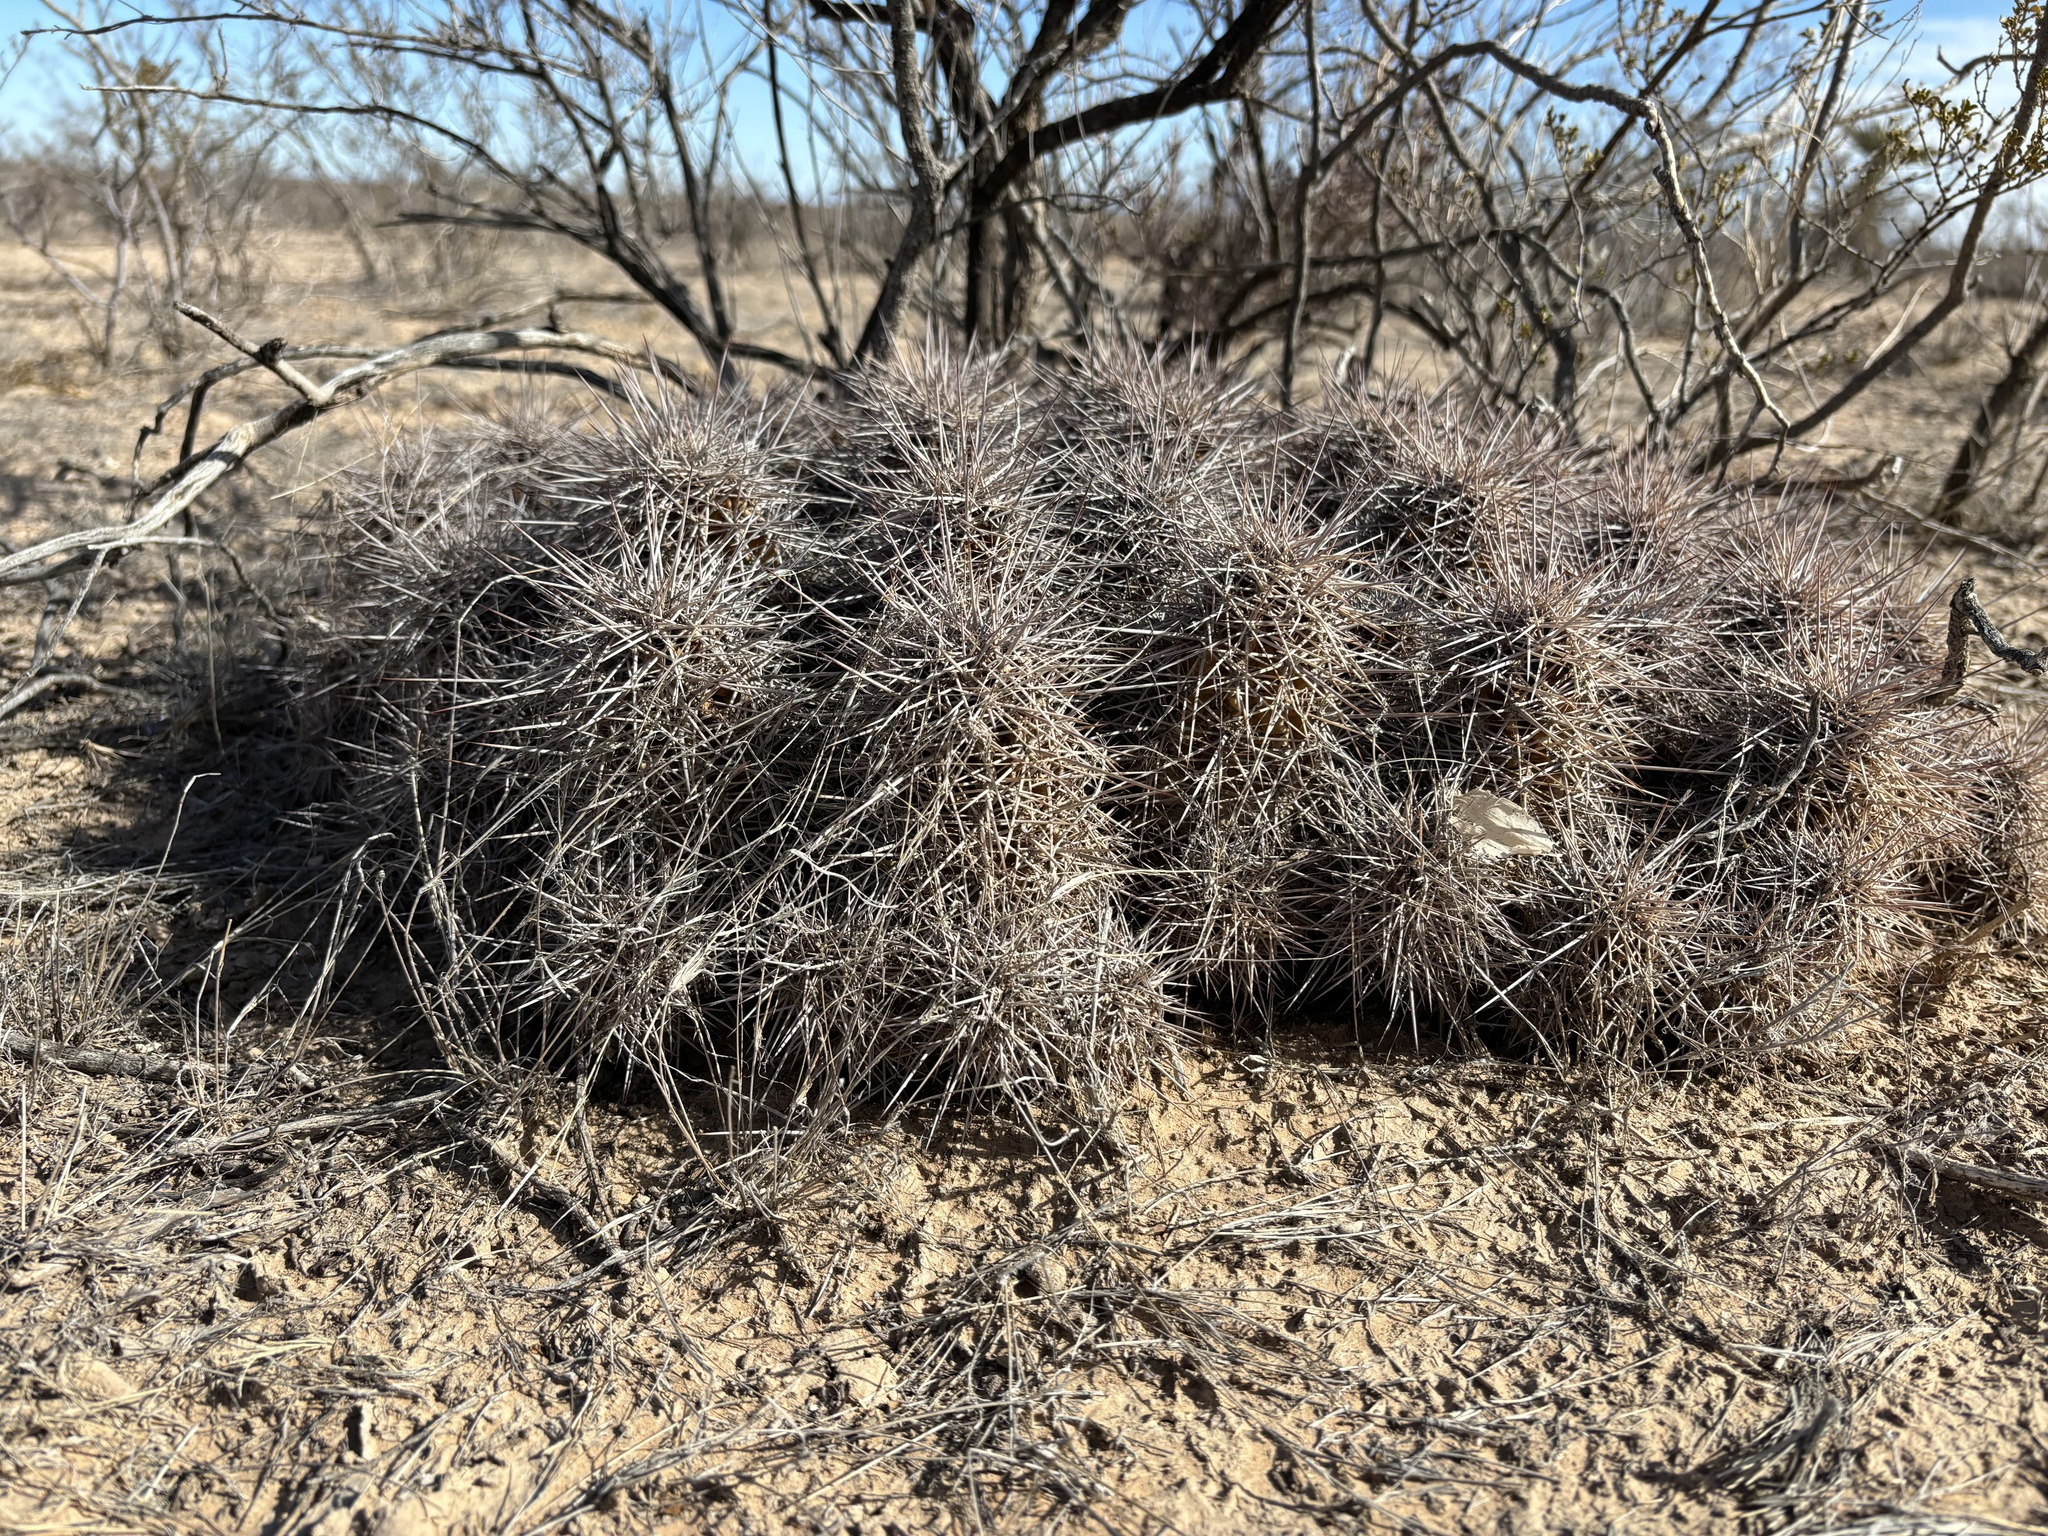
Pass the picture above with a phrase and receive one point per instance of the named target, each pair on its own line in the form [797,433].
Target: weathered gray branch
[927,176]
[182,485]
[16,1046]
[2019,1186]
[2019,381]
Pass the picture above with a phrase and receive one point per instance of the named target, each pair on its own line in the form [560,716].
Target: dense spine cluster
[974,731]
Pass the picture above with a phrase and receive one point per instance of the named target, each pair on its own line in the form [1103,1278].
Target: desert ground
[268,1267]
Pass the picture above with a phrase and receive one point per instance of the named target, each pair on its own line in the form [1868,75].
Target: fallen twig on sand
[33,688]
[2019,1186]
[338,1120]
[183,484]
[17,1046]
[529,1183]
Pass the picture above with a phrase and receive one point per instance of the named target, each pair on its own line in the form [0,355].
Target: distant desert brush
[978,730]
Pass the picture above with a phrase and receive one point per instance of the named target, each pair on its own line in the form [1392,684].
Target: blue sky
[1960,28]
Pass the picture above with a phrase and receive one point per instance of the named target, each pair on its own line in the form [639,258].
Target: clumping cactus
[978,730]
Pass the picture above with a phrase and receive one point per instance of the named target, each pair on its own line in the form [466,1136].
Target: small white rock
[1495,828]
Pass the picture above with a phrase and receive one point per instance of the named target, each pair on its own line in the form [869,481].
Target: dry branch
[32,688]
[179,488]
[359,1118]
[529,1184]
[1966,614]
[2017,1186]
[182,485]
[17,1046]
[997,152]
[2019,382]
[928,177]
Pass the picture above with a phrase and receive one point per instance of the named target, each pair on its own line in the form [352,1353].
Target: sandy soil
[1334,1281]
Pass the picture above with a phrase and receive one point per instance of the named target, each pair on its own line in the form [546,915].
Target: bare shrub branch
[184,483]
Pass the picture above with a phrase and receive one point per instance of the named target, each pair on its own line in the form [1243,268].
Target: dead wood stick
[17,1046]
[269,354]
[35,687]
[1965,614]
[337,1120]
[2019,1186]
[184,483]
